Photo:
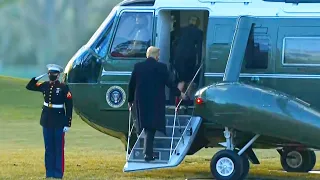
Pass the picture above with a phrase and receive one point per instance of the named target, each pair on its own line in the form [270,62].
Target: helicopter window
[104,27]
[133,35]
[85,68]
[102,45]
[257,52]
[301,50]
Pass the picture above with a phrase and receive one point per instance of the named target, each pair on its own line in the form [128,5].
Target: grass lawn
[90,154]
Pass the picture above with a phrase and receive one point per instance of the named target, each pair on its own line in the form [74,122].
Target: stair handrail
[177,108]
[129,132]
[191,82]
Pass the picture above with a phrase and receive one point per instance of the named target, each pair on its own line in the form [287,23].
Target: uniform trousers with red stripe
[54,152]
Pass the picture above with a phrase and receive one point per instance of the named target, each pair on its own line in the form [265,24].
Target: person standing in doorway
[147,94]
[188,51]
[55,118]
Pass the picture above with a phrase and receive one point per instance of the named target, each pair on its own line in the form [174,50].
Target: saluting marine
[55,118]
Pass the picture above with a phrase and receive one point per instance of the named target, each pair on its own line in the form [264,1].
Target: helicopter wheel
[313,160]
[246,165]
[297,160]
[228,165]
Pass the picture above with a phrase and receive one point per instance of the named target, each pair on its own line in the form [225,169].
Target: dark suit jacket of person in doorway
[188,51]
[147,94]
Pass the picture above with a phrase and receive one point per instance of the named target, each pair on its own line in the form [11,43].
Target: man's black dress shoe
[149,158]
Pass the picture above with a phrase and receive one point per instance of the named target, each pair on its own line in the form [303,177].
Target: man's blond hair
[153,51]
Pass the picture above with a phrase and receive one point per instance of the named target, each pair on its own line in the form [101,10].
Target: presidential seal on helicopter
[115,96]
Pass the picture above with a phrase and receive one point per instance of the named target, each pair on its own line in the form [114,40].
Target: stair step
[171,107]
[157,149]
[169,131]
[160,142]
[161,154]
[182,110]
[152,162]
[161,149]
[183,120]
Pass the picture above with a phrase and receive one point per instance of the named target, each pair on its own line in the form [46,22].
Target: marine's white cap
[54,67]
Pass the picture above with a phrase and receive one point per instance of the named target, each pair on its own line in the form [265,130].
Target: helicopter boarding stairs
[170,149]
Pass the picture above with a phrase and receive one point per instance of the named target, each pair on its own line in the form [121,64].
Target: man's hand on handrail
[183,96]
[181,85]
[130,105]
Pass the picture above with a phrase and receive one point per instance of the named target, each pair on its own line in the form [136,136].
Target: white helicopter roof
[231,8]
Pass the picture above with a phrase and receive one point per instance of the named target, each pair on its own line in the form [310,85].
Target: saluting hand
[39,77]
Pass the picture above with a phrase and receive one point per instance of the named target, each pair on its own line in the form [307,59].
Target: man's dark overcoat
[147,93]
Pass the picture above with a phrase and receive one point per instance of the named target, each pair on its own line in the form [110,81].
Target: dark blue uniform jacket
[54,93]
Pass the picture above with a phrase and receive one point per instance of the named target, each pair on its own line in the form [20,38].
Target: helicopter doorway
[181,36]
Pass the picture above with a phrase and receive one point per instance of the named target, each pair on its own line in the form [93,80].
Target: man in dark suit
[147,93]
[55,118]
[188,51]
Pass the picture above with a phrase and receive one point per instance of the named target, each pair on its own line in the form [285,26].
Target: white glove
[66,129]
[39,77]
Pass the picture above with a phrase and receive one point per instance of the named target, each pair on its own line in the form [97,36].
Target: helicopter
[256,83]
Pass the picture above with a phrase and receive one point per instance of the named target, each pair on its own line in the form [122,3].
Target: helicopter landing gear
[231,164]
[293,160]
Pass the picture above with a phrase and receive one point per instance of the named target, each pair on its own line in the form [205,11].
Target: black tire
[231,158]
[304,160]
[245,167]
[245,163]
[312,161]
